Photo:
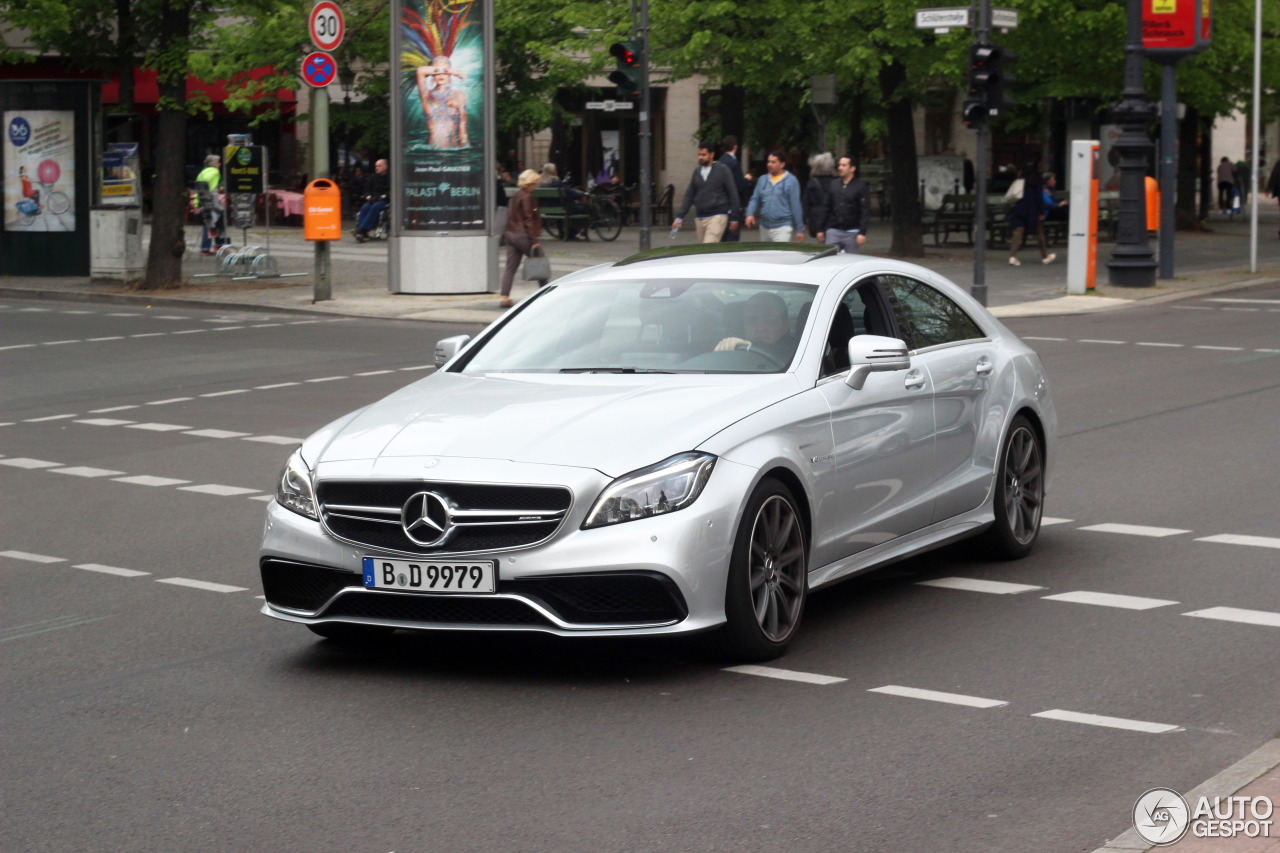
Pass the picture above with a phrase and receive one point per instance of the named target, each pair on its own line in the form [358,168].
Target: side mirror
[873,354]
[448,348]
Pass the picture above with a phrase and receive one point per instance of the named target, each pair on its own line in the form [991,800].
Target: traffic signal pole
[979,289]
[646,131]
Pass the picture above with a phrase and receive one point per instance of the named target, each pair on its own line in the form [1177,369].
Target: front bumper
[660,575]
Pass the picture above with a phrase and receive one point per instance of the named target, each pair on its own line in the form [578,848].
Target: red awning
[146,89]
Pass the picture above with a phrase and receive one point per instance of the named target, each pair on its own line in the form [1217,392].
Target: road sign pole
[646,132]
[320,169]
[979,289]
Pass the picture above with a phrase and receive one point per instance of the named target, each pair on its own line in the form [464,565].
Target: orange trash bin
[1153,204]
[322,210]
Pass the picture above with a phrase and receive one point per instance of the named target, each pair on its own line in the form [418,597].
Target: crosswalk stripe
[1107,599]
[1236,614]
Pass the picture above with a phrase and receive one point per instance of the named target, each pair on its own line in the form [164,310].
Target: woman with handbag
[524,227]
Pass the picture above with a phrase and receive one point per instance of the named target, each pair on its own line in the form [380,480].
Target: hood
[612,423]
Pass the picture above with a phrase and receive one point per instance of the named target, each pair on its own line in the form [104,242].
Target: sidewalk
[1205,262]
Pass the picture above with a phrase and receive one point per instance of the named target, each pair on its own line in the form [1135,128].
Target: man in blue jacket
[777,200]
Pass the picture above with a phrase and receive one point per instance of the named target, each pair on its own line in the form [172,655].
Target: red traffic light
[626,52]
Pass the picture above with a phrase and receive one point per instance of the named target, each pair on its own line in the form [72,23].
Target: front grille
[436,609]
[606,598]
[484,517]
[303,587]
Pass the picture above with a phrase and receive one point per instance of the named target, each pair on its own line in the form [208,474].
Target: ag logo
[19,132]
[244,155]
[444,187]
[1161,816]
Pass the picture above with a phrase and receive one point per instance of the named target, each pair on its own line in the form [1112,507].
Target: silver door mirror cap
[446,349]
[873,354]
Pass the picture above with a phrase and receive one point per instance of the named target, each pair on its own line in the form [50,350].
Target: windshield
[675,326]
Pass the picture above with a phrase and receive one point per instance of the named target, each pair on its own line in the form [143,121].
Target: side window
[926,317]
[849,320]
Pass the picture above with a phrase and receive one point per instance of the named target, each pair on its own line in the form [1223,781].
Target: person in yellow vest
[209,203]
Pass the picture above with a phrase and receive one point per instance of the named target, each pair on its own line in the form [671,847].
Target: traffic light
[1000,98]
[627,76]
[988,78]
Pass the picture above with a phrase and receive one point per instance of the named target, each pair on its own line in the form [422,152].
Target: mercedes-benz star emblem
[425,518]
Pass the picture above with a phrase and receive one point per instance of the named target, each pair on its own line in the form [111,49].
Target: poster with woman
[441,92]
[40,170]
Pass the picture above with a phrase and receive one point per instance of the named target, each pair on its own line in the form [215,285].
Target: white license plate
[454,576]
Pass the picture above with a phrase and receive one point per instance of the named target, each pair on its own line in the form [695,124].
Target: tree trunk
[904,198]
[169,199]
[1185,207]
[1207,194]
[856,140]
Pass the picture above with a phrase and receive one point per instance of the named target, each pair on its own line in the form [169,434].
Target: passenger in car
[766,328]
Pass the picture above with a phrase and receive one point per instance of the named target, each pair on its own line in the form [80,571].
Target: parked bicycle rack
[249,262]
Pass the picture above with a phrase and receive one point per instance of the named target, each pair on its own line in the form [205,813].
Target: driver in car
[764,320]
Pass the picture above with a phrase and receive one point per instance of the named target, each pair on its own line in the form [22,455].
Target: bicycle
[606,217]
[55,201]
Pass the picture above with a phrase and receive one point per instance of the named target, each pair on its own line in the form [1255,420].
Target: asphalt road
[147,705]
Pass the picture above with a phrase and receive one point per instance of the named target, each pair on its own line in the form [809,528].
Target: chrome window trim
[948,345]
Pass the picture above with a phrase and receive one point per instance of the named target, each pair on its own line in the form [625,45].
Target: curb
[1248,769]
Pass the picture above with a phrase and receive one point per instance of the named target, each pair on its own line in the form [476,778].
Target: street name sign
[1004,19]
[319,69]
[942,19]
[609,106]
[327,25]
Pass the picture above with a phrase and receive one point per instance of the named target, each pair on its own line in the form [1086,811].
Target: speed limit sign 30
[327,25]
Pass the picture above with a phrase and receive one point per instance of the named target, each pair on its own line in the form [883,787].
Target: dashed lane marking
[784,674]
[217,489]
[104,421]
[1107,722]
[1099,341]
[274,439]
[101,339]
[1220,349]
[419,367]
[1134,530]
[85,471]
[937,696]
[152,427]
[375,372]
[148,480]
[1236,614]
[57,343]
[205,585]
[47,418]
[31,558]
[1238,300]
[227,393]
[978,585]
[1157,344]
[1236,539]
[111,570]
[328,378]
[276,385]
[1048,521]
[24,462]
[113,409]
[170,400]
[1035,338]
[216,433]
[1107,599]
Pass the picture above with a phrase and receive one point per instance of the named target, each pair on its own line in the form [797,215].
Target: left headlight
[295,491]
[670,485]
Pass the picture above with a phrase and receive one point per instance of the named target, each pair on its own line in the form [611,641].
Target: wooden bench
[554,206]
[954,217]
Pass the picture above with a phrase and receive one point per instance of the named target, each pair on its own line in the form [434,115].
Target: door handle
[915,379]
[984,366]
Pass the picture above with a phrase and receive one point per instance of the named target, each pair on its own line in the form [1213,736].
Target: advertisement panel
[1173,29]
[40,162]
[441,99]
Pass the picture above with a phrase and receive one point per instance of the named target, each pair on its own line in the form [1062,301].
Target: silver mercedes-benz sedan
[688,440]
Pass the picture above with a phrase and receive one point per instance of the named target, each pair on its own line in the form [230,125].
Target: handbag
[1015,191]
[536,267]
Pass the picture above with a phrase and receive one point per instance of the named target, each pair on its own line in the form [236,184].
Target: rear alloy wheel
[1019,498]
[768,576]
[347,632]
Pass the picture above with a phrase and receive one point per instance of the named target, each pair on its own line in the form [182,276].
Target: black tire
[346,632]
[765,593]
[607,220]
[1019,498]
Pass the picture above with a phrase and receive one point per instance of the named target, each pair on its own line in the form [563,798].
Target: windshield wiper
[613,370]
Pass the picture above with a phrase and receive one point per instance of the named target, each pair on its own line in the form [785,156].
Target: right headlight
[670,485]
[294,490]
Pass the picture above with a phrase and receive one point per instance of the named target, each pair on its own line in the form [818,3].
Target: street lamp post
[1132,262]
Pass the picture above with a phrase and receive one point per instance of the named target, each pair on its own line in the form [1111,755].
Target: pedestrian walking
[524,229]
[847,213]
[1273,183]
[729,159]
[213,215]
[1027,214]
[777,200]
[1226,183]
[713,191]
[822,174]
[1243,175]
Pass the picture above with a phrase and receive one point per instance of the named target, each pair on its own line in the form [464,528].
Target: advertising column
[442,162]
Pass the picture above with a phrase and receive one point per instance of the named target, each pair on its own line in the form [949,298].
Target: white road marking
[1154,344]
[148,480]
[1249,310]
[978,585]
[124,314]
[24,462]
[277,385]
[150,335]
[419,367]
[35,310]
[158,427]
[17,346]
[274,439]
[107,338]
[58,343]
[215,489]
[1195,308]
[1048,521]
[1267,350]
[75,312]
[784,674]
[112,409]
[1221,349]
[104,422]
[936,696]
[168,317]
[205,585]
[85,471]
[111,570]
[1098,341]
[263,498]
[1249,301]
[265,325]
[215,433]
[227,393]
[328,378]
[1236,539]
[170,400]
[190,331]
[1236,614]
[1134,530]
[375,372]
[1106,599]
[226,328]
[48,418]
[1108,722]
[1034,338]
[31,558]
